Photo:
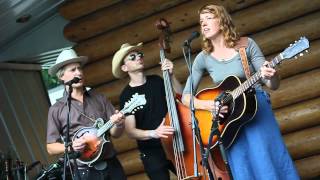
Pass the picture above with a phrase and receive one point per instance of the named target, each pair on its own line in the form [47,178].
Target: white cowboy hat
[120,55]
[66,57]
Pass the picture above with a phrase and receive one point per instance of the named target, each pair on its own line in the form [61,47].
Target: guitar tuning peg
[301,54]
[295,57]
[306,51]
[295,41]
[290,45]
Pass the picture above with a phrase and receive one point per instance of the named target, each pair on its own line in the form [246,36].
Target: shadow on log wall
[100,27]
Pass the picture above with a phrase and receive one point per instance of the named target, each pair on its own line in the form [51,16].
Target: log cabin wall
[100,27]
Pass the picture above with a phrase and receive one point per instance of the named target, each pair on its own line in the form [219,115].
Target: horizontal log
[99,72]
[181,17]
[124,143]
[303,143]
[292,31]
[307,84]
[274,12]
[75,9]
[299,116]
[131,162]
[309,168]
[98,22]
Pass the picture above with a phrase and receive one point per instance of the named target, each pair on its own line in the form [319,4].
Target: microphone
[194,35]
[57,165]
[72,81]
[45,172]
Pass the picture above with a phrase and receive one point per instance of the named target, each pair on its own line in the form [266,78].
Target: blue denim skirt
[259,152]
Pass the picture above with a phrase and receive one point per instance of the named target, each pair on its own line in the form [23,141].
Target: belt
[101,165]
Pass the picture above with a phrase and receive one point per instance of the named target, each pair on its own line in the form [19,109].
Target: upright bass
[179,147]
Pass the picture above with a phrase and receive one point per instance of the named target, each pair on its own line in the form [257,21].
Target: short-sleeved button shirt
[95,105]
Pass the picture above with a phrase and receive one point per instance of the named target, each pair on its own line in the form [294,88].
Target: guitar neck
[166,77]
[108,125]
[254,79]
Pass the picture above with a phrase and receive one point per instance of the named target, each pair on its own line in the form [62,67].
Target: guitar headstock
[136,102]
[296,49]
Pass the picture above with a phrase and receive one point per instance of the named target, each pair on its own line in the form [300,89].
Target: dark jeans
[156,164]
[114,171]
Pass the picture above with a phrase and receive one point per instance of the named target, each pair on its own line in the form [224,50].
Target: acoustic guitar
[95,139]
[240,98]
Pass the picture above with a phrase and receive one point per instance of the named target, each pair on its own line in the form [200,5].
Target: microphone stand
[194,121]
[67,144]
[48,171]
[216,120]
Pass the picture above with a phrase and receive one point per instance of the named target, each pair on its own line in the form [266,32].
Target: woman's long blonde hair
[230,34]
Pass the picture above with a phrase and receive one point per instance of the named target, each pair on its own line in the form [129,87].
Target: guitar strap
[241,47]
[91,119]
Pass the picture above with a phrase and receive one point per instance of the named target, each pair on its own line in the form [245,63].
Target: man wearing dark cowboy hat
[86,107]
[147,124]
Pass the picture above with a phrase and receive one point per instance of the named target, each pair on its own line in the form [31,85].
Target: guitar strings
[177,137]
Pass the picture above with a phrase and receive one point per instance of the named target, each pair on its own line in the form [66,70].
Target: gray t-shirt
[219,70]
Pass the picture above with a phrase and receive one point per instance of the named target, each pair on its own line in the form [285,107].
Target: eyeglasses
[135,56]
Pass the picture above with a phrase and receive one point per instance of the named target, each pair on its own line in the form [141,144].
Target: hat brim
[55,68]
[119,57]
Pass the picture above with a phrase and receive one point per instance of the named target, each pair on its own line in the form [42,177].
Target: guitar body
[94,149]
[240,111]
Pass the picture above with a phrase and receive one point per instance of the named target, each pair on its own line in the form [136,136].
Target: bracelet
[152,134]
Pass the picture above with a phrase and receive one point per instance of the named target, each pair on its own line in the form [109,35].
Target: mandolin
[95,139]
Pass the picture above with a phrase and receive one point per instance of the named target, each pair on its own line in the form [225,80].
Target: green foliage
[50,82]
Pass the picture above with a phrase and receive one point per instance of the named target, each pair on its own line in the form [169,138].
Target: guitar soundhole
[82,134]
[230,103]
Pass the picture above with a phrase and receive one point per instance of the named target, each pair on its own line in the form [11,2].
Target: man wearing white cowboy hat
[86,107]
[147,124]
